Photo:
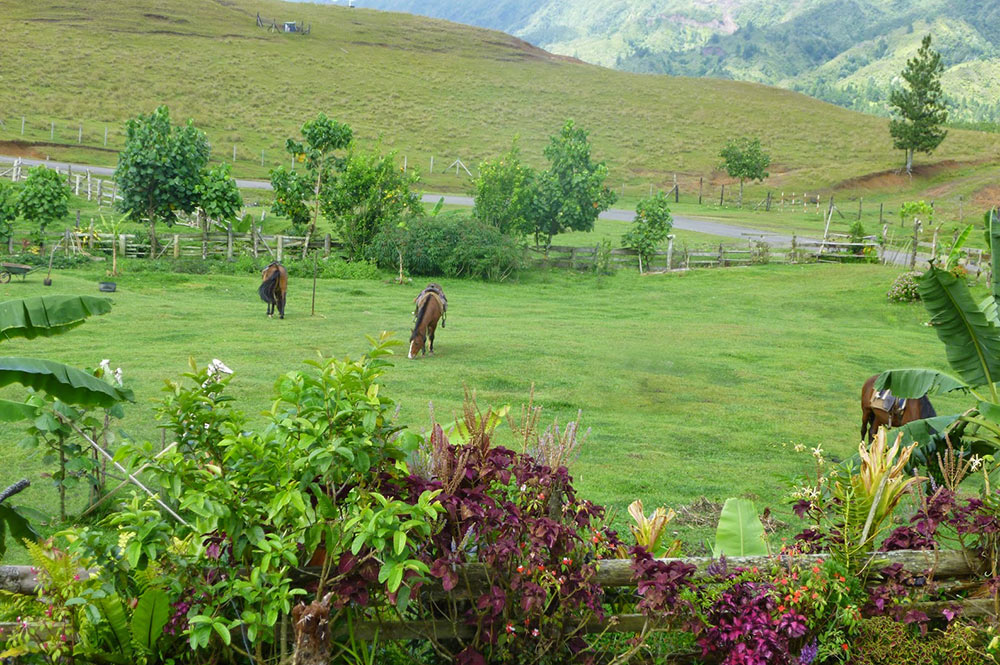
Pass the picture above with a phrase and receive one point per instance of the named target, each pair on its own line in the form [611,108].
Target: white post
[432,163]
[88,185]
[77,190]
[670,252]
[22,125]
[262,158]
[404,163]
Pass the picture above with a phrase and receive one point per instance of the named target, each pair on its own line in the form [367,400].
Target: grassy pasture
[424,87]
[691,384]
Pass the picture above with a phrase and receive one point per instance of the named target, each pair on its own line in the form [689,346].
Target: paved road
[680,222]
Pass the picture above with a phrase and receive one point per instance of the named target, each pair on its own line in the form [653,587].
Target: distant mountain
[848,52]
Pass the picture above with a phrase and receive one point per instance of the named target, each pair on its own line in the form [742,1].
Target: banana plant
[970,332]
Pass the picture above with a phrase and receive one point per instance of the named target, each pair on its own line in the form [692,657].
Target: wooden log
[18,579]
[311,625]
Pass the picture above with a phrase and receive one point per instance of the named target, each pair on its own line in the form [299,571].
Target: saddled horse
[432,305]
[886,410]
[273,288]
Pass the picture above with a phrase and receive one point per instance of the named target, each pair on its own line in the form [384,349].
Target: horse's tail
[266,289]
[926,409]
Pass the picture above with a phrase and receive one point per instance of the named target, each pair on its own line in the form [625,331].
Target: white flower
[118,375]
[800,447]
[975,462]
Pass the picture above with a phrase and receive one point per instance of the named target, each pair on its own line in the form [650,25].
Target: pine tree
[921,105]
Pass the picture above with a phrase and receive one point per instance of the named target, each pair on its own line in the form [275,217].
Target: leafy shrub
[58,260]
[904,288]
[450,245]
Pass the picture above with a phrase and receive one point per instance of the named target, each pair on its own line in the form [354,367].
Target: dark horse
[888,410]
[273,287]
[431,307]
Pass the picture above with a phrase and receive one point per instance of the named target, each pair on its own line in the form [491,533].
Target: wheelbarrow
[9,269]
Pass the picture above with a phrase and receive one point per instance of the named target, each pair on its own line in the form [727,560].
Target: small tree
[369,193]
[8,210]
[744,159]
[651,226]
[160,169]
[920,105]
[911,210]
[218,194]
[322,137]
[504,193]
[571,193]
[43,199]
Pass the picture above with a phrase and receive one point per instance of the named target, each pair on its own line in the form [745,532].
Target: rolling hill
[426,88]
[843,51]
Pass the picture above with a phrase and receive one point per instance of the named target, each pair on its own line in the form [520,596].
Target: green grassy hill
[424,87]
[843,51]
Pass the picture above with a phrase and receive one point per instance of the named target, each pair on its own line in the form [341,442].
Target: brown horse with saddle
[883,409]
[432,306]
[274,288]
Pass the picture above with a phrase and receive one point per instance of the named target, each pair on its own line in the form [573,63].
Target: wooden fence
[950,571]
[724,255]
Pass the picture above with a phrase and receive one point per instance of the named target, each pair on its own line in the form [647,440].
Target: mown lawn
[692,385]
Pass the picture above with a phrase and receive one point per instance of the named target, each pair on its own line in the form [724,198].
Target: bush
[58,260]
[450,245]
[904,288]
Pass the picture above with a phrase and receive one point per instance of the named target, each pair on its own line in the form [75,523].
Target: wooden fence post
[253,236]
[229,241]
[100,187]
[722,255]
[860,201]
[793,256]
[10,244]
[203,223]
[76,190]
[177,246]
[88,185]
[880,206]
[281,247]
[326,246]
[767,207]
[670,252]
[677,190]
[722,195]
[934,241]
[121,245]
[701,182]
[916,242]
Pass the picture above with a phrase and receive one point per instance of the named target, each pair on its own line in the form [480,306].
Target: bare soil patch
[703,513]
[894,178]
[986,197]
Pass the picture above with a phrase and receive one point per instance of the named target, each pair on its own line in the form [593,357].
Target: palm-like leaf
[63,382]
[993,236]
[972,341]
[44,316]
[956,247]
[740,531]
[914,383]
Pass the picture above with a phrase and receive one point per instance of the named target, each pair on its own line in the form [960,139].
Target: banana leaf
[71,385]
[993,236]
[956,247]
[972,341]
[44,316]
[915,383]
[11,411]
[150,616]
[14,523]
[740,531]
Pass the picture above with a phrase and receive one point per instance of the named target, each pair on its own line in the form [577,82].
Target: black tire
[4,277]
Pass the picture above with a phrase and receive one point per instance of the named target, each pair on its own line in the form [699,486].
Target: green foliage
[571,193]
[292,191]
[368,194]
[504,193]
[449,245]
[13,521]
[8,209]
[651,226]
[43,199]
[921,210]
[904,288]
[744,159]
[160,169]
[218,194]
[740,532]
[921,106]
[263,501]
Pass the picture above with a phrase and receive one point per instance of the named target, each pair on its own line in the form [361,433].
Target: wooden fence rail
[944,567]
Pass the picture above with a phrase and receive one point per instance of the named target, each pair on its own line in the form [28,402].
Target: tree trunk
[741,192]
[311,624]
[909,161]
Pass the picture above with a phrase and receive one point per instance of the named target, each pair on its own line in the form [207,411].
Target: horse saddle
[433,291]
[886,401]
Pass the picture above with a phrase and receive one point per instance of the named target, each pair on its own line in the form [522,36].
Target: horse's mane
[266,290]
[926,409]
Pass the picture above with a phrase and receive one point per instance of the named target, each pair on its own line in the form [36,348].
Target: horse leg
[433,327]
[281,305]
[866,417]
